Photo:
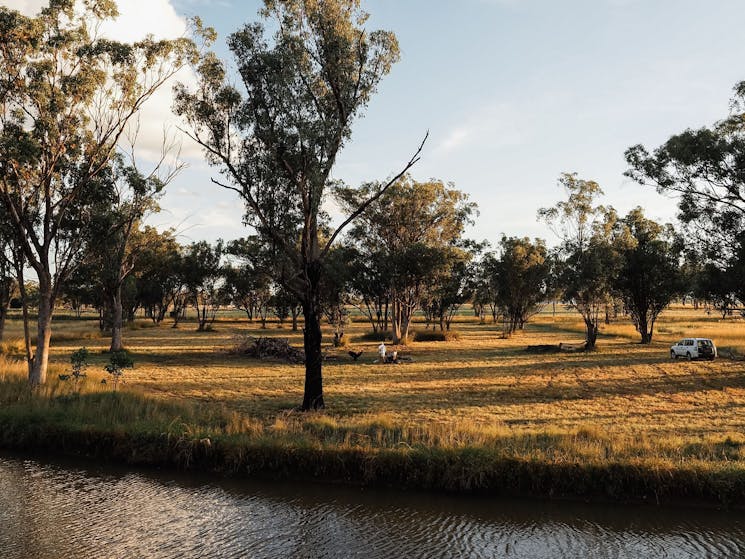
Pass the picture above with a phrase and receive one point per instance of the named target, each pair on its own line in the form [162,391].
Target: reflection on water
[65,511]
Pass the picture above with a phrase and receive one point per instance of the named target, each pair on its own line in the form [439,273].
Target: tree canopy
[67,97]
[304,83]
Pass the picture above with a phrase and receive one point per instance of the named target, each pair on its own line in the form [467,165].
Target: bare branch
[362,207]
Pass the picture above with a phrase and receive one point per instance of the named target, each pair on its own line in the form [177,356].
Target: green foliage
[410,243]
[718,287]
[375,336]
[160,283]
[587,262]
[521,276]
[436,335]
[705,169]
[79,362]
[650,276]
[68,96]
[202,272]
[305,84]
[118,361]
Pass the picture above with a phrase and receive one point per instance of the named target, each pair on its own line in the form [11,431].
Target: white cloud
[137,19]
[492,127]
[27,7]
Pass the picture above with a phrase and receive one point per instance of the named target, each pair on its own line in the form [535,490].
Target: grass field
[624,406]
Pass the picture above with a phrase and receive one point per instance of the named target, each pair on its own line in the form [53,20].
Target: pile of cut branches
[269,348]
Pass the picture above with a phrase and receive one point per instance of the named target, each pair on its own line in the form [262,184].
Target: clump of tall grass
[435,335]
[379,336]
[14,348]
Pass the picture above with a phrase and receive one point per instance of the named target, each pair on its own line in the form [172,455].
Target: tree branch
[362,207]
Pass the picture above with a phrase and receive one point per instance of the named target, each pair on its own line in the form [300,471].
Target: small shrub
[435,335]
[118,361]
[79,361]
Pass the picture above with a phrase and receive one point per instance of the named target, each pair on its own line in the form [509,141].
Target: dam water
[68,510]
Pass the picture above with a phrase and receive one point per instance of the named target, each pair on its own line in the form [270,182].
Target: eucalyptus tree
[307,74]
[247,289]
[718,288]
[67,96]
[705,170]
[521,279]
[449,287]
[203,276]
[285,305]
[486,287]
[588,262]
[415,227]
[249,274]
[369,289]
[159,277]
[650,275]
[119,246]
[339,272]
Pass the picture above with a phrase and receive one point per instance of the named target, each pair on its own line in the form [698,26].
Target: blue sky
[514,92]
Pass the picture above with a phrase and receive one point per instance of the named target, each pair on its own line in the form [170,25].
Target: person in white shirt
[381,352]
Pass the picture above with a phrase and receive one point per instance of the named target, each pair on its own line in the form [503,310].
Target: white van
[694,348]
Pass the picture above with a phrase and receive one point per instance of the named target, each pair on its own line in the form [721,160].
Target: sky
[513,93]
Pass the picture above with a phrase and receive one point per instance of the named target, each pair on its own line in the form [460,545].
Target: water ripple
[63,512]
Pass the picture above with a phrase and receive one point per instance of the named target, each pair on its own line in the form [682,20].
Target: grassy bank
[474,414]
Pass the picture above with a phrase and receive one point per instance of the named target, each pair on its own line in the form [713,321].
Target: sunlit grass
[624,404]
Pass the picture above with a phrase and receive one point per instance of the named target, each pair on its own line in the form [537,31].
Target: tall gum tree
[650,275]
[588,264]
[118,245]
[276,142]
[705,170]
[417,228]
[67,96]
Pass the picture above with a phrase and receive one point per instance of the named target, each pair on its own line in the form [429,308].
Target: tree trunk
[117,322]
[645,329]
[591,335]
[201,317]
[396,333]
[405,323]
[3,315]
[313,395]
[294,319]
[26,320]
[40,361]
[5,293]
[162,311]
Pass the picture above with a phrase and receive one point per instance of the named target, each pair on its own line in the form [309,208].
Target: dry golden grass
[623,403]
